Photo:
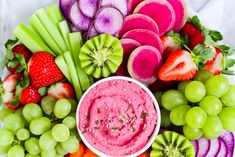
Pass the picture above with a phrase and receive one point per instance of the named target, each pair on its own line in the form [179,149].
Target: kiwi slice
[101,55]
[172,144]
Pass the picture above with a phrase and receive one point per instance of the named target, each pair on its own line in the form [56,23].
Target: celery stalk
[64,30]
[30,26]
[61,63]
[54,13]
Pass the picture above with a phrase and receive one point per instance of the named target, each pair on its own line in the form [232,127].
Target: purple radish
[132,4]
[145,37]
[195,144]
[203,147]
[181,16]
[78,19]
[128,47]
[121,5]
[89,7]
[92,32]
[228,137]
[223,149]
[75,29]
[214,148]
[143,64]
[138,21]
[108,20]
[160,11]
[65,6]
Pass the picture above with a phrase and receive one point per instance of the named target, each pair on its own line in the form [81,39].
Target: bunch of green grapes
[48,130]
[203,106]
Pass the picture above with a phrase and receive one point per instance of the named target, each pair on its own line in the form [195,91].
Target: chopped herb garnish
[133,129]
[115,128]
[98,110]
[143,115]
[120,120]
[128,108]
[123,116]
[84,132]
[96,128]
[97,122]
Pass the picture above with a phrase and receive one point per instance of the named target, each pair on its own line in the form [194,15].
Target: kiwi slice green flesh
[101,55]
[172,144]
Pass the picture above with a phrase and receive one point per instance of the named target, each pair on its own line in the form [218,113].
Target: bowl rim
[156,106]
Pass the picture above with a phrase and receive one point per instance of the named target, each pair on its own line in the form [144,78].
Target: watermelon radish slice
[92,32]
[143,64]
[78,18]
[121,5]
[138,21]
[132,4]
[160,11]
[180,9]
[108,20]
[128,47]
[145,37]
[204,146]
[65,6]
[223,149]
[88,7]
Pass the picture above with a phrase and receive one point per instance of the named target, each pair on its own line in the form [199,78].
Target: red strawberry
[61,90]
[195,40]
[29,95]
[9,98]
[20,49]
[9,84]
[215,66]
[190,30]
[179,66]
[43,71]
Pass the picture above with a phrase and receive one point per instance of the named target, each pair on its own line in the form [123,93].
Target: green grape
[227,117]
[60,150]
[70,122]
[75,134]
[31,155]
[62,108]
[211,104]
[71,144]
[32,146]
[192,133]
[60,132]
[48,104]
[212,128]
[74,105]
[173,98]
[177,115]
[158,96]
[195,91]
[4,149]
[6,137]
[217,86]
[16,151]
[59,155]
[48,153]
[196,117]
[20,113]
[165,118]
[229,98]
[203,76]
[22,134]
[182,85]
[46,141]
[39,125]
[13,122]
[4,112]
[32,111]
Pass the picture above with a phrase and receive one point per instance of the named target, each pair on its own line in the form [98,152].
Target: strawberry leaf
[195,21]
[215,35]
[230,63]
[10,43]
[228,72]
[177,38]
[226,50]
[13,63]
[15,102]
[42,91]
[26,81]
[20,69]
[202,54]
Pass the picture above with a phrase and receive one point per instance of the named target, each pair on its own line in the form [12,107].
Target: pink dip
[117,117]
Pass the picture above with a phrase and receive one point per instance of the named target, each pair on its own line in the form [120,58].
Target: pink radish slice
[128,46]
[65,6]
[228,138]
[132,4]
[78,19]
[181,16]
[223,149]
[108,20]
[214,148]
[92,32]
[88,7]
[203,147]
[195,144]
[138,21]
[121,5]
[160,11]
[143,64]
[145,37]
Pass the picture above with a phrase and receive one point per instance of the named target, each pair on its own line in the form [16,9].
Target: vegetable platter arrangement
[119,78]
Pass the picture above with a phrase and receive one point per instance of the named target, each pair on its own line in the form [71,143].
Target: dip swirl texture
[117,117]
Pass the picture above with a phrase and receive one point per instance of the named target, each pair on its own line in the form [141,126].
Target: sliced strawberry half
[61,90]
[179,66]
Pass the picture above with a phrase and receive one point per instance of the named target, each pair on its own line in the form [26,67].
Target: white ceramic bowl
[151,138]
